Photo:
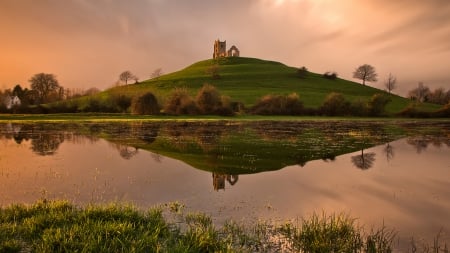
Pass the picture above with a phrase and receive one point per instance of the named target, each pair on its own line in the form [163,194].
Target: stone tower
[220,49]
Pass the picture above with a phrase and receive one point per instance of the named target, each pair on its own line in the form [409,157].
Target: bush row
[209,101]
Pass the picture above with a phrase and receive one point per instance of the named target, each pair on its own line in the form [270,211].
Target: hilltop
[247,79]
[243,80]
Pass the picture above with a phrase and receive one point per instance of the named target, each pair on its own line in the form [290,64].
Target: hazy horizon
[87,43]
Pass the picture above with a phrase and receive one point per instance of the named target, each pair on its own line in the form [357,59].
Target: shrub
[377,104]
[146,104]
[278,105]
[180,102]
[330,75]
[358,108]
[302,72]
[121,102]
[335,104]
[237,106]
[412,112]
[443,112]
[208,99]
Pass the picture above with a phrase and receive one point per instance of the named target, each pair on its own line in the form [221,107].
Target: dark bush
[180,102]
[237,106]
[224,111]
[63,107]
[302,72]
[208,99]
[120,102]
[330,75]
[146,104]
[412,112]
[3,108]
[278,105]
[377,104]
[335,104]
[358,108]
[444,112]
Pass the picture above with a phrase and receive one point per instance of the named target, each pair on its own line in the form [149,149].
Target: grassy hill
[247,79]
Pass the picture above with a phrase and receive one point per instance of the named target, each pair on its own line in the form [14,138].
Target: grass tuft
[58,226]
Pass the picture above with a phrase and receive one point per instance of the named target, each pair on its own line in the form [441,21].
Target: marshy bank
[59,226]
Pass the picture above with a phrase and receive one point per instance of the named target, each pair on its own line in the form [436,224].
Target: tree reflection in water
[389,151]
[46,143]
[364,161]
[234,147]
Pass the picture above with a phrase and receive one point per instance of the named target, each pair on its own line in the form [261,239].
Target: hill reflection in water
[396,172]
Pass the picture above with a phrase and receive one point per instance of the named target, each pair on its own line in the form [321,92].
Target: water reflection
[364,161]
[219,180]
[389,151]
[421,143]
[232,148]
[311,166]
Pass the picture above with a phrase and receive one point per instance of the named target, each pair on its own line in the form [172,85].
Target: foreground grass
[58,226]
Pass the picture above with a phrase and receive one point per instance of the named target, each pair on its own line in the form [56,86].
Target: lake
[395,173]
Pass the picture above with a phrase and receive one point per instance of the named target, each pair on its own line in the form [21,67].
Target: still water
[395,173]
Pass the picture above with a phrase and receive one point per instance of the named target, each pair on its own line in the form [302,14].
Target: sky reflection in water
[404,183]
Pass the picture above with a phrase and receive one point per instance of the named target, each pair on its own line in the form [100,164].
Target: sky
[88,43]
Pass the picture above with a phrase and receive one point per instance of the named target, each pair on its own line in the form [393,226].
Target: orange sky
[87,43]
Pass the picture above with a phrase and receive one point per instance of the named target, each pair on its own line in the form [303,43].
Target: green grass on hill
[247,79]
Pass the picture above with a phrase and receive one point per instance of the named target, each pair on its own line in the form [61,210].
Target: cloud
[87,42]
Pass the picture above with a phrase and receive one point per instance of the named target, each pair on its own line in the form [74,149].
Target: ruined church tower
[220,50]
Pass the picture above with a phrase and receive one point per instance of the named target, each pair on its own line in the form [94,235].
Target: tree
[180,102]
[439,96]
[146,104]
[365,72]
[330,75]
[420,94]
[208,99]
[302,72]
[390,83]
[377,104]
[156,73]
[389,151]
[126,76]
[335,104]
[44,85]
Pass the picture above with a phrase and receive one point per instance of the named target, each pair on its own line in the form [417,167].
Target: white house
[12,101]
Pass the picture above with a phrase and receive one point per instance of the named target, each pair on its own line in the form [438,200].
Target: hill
[247,79]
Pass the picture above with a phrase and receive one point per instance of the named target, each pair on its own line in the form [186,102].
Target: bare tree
[420,94]
[44,85]
[156,73]
[390,83]
[136,79]
[365,72]
[364,161]
[389,151]
[126,76]
[439,96]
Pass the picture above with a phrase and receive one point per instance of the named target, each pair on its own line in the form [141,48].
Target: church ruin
[220,50]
